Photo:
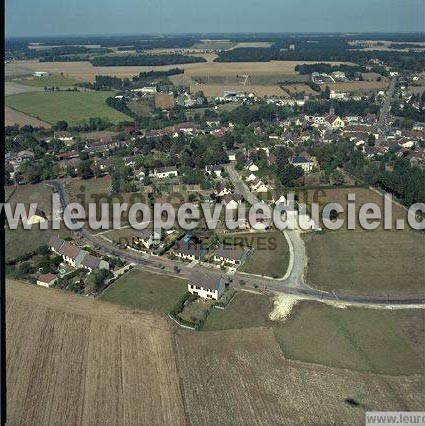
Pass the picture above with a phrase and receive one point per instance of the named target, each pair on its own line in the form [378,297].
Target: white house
[40,74]
[259,186]
[165,172]
[221,190]
[251,167]
[231,155]
[304,163]
[207,285]
[251,178]
[232,255]
[47,280]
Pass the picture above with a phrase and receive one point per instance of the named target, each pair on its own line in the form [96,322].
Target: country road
[293,284]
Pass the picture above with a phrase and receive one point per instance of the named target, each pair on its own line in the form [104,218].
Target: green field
[146,291]
[72,107]
[49,81]
[271,255]
[379,341]
[245,310]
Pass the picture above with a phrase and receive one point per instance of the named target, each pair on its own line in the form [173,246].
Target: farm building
[230,254]
[41,74]
[47,280]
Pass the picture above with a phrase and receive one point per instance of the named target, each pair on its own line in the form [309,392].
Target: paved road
[294,284]
[384,114]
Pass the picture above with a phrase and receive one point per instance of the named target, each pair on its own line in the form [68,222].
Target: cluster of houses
[73,256]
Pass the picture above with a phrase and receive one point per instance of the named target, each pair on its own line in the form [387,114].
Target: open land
[13,117]
[147,291]
[48,81]
[271,252]
[72,107]
[373,340]
[244,379]
[375,262]
[95,362]
[357,86]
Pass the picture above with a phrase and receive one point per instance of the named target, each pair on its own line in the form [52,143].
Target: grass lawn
[72,107]
[146,291]
[379,341]
[271,255]
[49,81]
[245,310]
[376,262]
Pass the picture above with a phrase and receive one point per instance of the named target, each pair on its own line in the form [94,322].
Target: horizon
[147,17]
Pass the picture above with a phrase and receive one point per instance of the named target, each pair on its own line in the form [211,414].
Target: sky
[77,17]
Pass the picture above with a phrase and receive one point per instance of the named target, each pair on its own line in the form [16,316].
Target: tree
[371,139]
[61,125]
[288,174]
[338,177]
[85,169]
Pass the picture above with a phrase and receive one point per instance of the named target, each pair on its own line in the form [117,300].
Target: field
[357,86]
[214,45]
[94,362]
[293,89]
[213,90]
[49,81]
[85,71]
[72,107]
[147,291]
[373,340]
[253,44]
[271,255]
[245,380]
[379,262]
[12,117]
[245,310]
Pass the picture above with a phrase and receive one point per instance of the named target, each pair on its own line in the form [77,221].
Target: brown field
[73,360]
[292,89]
[375,262]
[252,44]
[217,89]
[357,86]
[97,363]
[241,377]
[13,88]
[85,71]
[12,117]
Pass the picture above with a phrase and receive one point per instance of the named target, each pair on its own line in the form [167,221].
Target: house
[47,280]
[63,136]
[67,155]
[188,249]
[334,121]
[233,255]
[231,155]
[24,155]
[207,285]
[221,190]
[165,172]
[304,163]
[231,201]
[75,256]
[251,178]
[140,174]
[213,169]
[92,263]
[251,166]
[146,238]
[258,186]
[36,216]
[103,163]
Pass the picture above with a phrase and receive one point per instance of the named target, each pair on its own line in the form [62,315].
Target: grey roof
[90,261]
[231,252]
[210,281]
[298,160]
[56,242]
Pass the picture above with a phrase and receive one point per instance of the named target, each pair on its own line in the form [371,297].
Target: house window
[198,288]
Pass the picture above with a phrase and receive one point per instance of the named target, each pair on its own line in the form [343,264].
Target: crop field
[48,81]
[147,291]
[357,86]
[214,45]
[392,260]
[293,89]
[245,310]
[72,107]
[95,363]
[86,72]
[271,255]
[245,379]
[253,44]
[374,340]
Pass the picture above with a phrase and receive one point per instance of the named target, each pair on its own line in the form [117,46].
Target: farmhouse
[229,254]
[47,280]
[304,163]
[207,286]
[165,172]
